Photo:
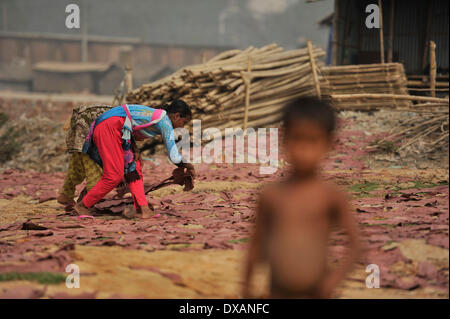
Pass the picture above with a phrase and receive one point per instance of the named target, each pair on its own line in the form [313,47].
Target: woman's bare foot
[146,212]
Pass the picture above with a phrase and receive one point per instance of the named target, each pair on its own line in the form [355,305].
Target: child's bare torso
[300,223]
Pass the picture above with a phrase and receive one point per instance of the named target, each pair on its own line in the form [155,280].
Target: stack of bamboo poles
[430,127]
[393,101]
[352,80]
[253,84]
[422,83]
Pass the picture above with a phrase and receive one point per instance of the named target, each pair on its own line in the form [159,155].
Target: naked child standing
[295,217]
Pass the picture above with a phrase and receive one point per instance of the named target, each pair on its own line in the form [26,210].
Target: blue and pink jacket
[139,120]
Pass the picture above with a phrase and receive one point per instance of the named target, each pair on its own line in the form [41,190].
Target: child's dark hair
[178,106]
[310,108]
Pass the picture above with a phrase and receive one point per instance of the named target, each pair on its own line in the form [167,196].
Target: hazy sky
[236,23]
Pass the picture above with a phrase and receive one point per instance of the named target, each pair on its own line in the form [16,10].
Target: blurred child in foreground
[295,216]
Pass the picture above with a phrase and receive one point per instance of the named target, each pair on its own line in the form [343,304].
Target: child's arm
[346,221]
[256,244]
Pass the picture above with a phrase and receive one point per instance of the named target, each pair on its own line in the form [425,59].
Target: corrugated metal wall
[349,22]
[439,32]
[357,43]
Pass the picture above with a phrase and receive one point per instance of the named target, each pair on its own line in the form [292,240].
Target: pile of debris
[36,143]
[425,132]
[263,79]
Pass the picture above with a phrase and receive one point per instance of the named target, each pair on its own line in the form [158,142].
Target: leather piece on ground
[83,295]
[219,214]
[32,226]
[21,292]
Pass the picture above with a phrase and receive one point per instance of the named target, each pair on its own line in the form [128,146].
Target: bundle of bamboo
[352,80]
[393,101]
[237,87]
[422,83]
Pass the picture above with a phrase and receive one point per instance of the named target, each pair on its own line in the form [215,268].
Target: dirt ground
[195,249]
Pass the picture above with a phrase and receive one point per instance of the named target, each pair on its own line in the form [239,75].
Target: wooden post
[247,80]
[313,67]
[84,31]
[381,32]
[391,32]
[128,79]
[335,31]
[118,93]
[126,85]
[433,68]
[427,34]
[203,57]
